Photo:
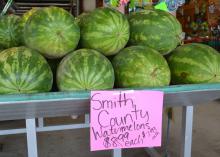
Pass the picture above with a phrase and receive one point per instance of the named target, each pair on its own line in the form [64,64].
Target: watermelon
[85,69]
[194,63]
[105,30]
[79,19]
[25,18]
[140,66]
[10,31]
[156,29]
[52,31]
[23,70]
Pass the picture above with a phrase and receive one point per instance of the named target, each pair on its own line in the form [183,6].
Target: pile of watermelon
[49,49]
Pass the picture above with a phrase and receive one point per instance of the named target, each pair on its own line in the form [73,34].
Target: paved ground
[75,143]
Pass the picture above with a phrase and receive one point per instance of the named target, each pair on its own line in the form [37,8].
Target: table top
[54,104]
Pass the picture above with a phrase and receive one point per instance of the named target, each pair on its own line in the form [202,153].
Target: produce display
[10,31]
[139,66]
[105,30]
[156,29]
[102,49]
[85,69]
[23,70]
[195,63]
[52,31]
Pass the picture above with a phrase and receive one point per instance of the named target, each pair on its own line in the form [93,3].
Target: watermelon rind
[140,66]
[52,31]
[23,70]
[105,30]
[10,31]
[194,63]
[156,29]
[85,69]
[24,20]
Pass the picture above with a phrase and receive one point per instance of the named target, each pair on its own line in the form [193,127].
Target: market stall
[200,21]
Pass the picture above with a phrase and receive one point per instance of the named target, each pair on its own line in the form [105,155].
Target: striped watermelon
[23,70]
[25,18]
[105,30]
[81,17]
[10,31]
[52,31]
[85,69]
[139,66]
[156,29]
[194,63]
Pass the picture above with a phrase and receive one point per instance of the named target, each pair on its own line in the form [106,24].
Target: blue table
[55,104]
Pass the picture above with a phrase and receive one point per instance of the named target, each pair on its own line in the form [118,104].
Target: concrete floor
[75,143]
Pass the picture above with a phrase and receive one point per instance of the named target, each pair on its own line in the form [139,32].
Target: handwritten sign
[125,119]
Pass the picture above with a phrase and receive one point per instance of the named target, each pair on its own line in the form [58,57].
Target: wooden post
[81,6]
[99,3]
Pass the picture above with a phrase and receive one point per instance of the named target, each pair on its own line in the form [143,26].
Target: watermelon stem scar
[60,34]
[153,74]
[184,74]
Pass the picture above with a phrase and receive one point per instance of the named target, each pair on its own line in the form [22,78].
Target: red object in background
[197,40]
[124,2]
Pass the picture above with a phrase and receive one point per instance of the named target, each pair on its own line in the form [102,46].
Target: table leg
[187,125]
[87,118]
[31,138]
[40,122]
[117,153]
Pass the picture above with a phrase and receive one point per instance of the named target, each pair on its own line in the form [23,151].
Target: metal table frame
[37,106]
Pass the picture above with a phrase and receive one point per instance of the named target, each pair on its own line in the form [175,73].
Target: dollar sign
[106,143]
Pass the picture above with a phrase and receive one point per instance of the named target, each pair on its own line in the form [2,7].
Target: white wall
[89,5]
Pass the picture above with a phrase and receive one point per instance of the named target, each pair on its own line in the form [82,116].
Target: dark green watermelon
[156,29]
[140,66]
[194,63]
[52,31]
[23,70]
[10,31]
[105,30]
[85,69]
[81,17]
[24,20]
